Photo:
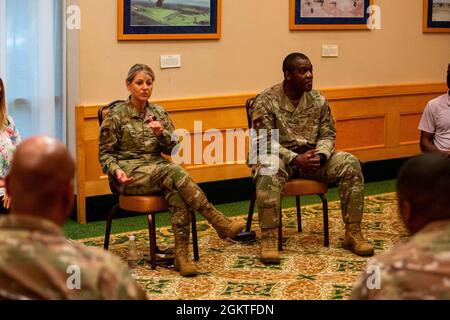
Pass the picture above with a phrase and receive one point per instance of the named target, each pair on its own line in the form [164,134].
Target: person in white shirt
[434,125]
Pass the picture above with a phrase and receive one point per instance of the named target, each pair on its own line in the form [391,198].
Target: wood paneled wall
[374,123]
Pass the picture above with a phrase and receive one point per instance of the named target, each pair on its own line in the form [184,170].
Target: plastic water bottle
[133,256]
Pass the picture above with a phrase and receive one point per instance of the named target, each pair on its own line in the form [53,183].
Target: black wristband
[323,159]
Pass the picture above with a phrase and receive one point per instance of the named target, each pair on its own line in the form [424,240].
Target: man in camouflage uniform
[36,260]
[420,267]
[133,137]
[306,150]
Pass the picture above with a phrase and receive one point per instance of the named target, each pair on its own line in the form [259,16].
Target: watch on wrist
[323,159]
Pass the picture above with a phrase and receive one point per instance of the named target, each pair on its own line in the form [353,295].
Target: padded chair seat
[297,187]
[143,203]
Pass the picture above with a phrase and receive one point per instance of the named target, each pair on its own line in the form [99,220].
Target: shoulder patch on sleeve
[105,132]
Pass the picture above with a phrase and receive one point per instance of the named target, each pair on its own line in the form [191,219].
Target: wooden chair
[293,187]
[143,204]
[149,205]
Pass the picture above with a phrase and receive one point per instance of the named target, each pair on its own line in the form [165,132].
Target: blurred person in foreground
[36,260]
[420,267]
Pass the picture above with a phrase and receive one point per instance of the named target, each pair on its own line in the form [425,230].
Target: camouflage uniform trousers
[342,168]
[175,184]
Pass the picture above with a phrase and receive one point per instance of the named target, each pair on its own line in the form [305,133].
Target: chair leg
[108,225]
[250,212]
[326,232]
[152,238]
[280,229]
[299,214]
[157,249]
[194,235]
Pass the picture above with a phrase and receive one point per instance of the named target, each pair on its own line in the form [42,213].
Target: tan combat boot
[225,227]
[185,266]
[355,242]
[182,262]
[269,247]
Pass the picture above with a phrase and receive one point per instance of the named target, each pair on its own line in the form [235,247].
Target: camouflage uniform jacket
[416,269]
[35,261]
[126,142]
[306,126]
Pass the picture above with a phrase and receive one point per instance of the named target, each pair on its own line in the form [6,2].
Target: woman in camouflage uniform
[133,137]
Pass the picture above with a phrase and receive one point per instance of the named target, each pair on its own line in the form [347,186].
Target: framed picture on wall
[436,16]
[328,14]
[168,19]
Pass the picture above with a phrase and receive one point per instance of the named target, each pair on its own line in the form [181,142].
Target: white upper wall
[248,57]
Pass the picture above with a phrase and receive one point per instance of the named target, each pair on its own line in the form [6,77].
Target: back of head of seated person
[9,138]
[36,260]
[418,268]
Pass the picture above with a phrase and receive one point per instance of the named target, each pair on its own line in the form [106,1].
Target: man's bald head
[41,177]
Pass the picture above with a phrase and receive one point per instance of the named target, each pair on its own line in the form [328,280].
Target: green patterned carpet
[233,271]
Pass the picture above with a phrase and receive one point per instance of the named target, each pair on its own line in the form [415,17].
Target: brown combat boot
[269,247]
[225,227]
[185,266]
[182,262]
[355,242]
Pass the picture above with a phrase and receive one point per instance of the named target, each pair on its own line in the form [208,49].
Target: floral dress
[9,139]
